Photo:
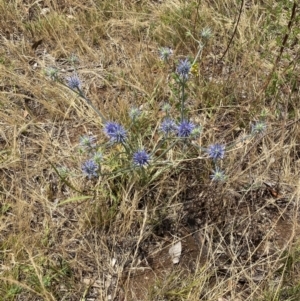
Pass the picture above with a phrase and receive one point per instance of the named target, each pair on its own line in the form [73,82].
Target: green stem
[182,100]
[199,52]
[63,179]
[127,148]
[103,119]
[81,94]
[164,152]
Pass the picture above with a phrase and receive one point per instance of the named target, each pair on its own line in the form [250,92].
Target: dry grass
[108,238]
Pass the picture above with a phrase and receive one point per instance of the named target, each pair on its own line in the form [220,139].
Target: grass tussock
[93,195]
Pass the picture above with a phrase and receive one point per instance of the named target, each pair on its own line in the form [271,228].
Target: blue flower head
[259,127]
[115,132]
[218,175]
[183,69]
[141,158]
[185,128]
[165,53]
[74,82]
[216,151]
[168,126]
[89,168]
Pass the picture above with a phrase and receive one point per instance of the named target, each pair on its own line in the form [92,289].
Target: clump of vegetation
[149,150]
[175,132]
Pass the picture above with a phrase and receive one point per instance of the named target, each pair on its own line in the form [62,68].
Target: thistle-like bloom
[183,69]
[168,126]
[206,33]
[87,141]
[115,132]
[74,82]
[73,59]
[196,132]
[141,158]
[166,107]
[218,175]
[216,151]
[134,113]
[165,53]
[259,127]
[89,168]
[98,156]
[51,72]
[185,128]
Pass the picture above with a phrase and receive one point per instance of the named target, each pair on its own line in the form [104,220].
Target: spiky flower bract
[98,156]
[87,141]
[183,69]
[51,72]
[206,33]
[259,127]
[168,126]
[196,132]
[165,53]
[134,113]
[216,151]
[115,132]
[166,108]
[89,168]
[141,158]
[185,128]
[74,82]
[218,175]
[73,59]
